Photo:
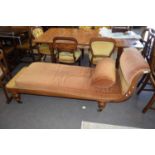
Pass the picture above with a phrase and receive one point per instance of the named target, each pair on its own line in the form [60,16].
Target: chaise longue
[103,84]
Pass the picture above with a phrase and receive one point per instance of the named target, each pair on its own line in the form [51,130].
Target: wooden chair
[43,49]
[100,48]
[149,78]
[5,75]
[27,45]
[8,52]
[147,39]
[66,51]
[152,100]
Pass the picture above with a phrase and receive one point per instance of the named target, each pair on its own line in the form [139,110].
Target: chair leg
[40,57]
[44,57]
[141,80]
[90,64]
[143,85]
[8,99]
[150,103]
[82,52]
[32,55]
[51,58]
[79,63]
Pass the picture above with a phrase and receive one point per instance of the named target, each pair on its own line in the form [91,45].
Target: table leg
[53,58]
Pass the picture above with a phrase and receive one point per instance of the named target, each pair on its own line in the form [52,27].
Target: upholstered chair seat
[44,49]
[95,60]
[67,57]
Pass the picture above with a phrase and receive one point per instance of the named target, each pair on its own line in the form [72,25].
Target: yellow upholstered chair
[43,49]
[83,48]
[66,51]
[100,48]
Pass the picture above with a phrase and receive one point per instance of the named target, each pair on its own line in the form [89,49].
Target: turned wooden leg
[150,103]
[82,52]
[101,106]
[17,97]
[44,57]
[79,63]
[32,55]
[8,98]
[90,64]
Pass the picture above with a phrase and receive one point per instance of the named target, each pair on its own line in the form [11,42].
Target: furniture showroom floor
[53,112]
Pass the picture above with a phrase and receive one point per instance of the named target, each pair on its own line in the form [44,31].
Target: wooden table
[83,37]
[13,32]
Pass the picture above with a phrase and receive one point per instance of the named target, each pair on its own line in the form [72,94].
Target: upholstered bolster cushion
[105,74]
